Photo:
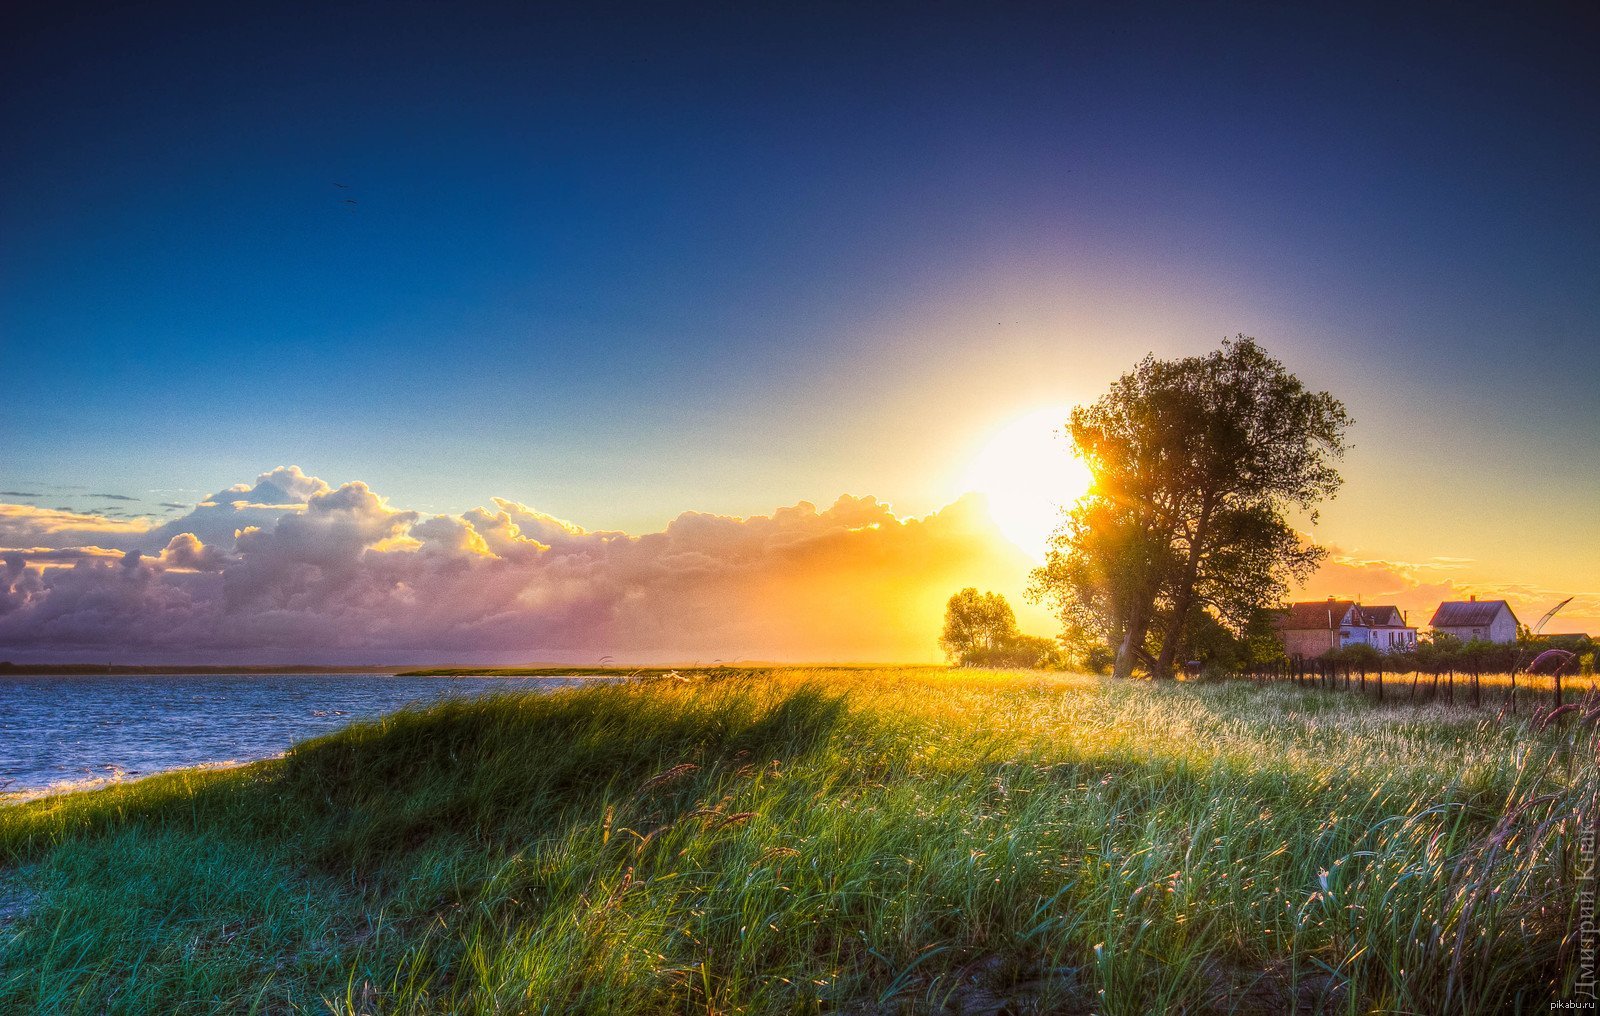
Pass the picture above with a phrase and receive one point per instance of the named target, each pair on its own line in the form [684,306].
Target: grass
[612,670]
[875,841]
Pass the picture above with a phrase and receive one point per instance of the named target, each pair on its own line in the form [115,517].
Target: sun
[1027,471]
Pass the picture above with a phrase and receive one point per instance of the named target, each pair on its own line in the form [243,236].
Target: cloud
[18,493]
[23,525]
[57,554]
[185,551]
[113,497]
[290,567]
[217,518]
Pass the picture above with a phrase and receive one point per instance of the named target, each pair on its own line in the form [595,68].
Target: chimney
[1472,598]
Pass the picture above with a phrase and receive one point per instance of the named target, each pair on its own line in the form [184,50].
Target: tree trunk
[1183,595]
[1132,640]
[1132,637]
[1175,632]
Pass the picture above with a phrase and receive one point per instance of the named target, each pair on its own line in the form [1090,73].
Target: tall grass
[857,842]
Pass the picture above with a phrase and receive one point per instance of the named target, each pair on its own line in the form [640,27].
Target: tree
[1196,466]
[1102,574]
[980,630]
[975,623]
[1030,652]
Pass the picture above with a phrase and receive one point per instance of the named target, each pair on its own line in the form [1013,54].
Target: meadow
[863,841]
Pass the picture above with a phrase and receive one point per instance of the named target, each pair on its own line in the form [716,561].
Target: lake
[62,731]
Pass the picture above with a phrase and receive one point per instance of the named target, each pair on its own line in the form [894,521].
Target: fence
[1474,686]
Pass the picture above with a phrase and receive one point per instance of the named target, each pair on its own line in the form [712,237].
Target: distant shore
[410,670]
[93,669]
[651,671]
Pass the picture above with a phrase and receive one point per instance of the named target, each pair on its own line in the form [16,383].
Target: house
[1314,627]
[1483,620]
[1386,628]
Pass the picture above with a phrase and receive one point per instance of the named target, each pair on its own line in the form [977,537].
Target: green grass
[876,841]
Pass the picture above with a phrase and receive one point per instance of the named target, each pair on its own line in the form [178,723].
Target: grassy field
[862,842]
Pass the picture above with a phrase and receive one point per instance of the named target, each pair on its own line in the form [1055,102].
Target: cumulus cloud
[185,551]
[217,518]
[292,567]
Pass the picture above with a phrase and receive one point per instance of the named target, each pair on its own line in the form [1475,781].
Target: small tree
[976,623]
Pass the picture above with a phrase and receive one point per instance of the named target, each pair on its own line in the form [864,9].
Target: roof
[1314,615]
[1385,616]
[1468,613]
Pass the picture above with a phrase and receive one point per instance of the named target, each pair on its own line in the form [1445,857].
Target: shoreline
[120,778]
[110,775]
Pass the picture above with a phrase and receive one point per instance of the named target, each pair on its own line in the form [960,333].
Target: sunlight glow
[1028,472]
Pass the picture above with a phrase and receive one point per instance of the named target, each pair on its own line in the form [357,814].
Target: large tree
[1197,465]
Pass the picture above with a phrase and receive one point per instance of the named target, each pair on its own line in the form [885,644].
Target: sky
[619,263]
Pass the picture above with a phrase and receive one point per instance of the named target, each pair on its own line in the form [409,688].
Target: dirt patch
[988,986]
[1273,989]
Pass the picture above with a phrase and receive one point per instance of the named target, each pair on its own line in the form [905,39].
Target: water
[63,731]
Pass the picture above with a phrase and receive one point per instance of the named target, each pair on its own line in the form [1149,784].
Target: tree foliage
[975,621]
[1197,464]
[1442,653]
[980,630]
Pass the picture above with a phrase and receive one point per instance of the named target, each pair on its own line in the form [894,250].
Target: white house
[1484,620]
[1314,627]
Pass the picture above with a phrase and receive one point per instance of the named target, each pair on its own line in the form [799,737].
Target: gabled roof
[1313,615]
[1379,617]
[1468,613]
[1325,615]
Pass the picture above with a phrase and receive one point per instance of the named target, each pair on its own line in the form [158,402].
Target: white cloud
[339,571]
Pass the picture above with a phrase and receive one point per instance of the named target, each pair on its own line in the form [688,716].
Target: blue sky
[622,261]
